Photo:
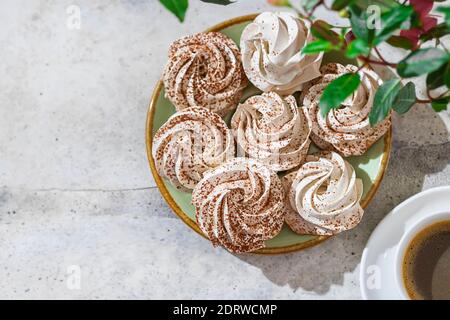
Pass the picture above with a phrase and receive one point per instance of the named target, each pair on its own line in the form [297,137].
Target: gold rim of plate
[173,205]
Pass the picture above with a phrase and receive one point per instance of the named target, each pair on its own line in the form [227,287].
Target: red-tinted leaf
[322,30]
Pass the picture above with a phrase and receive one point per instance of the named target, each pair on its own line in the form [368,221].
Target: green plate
[370,167]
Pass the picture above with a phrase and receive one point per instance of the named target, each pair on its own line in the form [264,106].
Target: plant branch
[423,101]
[430,98]
[429,94]
[443,46]
[365,63]
[382,59]
[368,60]
[360,67]
[310,14]
[326,6]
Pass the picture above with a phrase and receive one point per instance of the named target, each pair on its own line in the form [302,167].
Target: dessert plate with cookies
[239,148]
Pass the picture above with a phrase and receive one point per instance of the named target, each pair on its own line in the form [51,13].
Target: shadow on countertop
[318,268]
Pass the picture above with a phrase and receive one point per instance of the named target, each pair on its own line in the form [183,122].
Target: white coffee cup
[404,243]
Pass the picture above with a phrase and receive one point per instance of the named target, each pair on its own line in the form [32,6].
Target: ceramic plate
[369,167]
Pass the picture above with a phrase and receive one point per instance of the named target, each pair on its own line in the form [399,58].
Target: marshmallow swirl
[191,142]
[347,129]
[204,70]
[271,53]
[272,129]
[240,205]
[323,196]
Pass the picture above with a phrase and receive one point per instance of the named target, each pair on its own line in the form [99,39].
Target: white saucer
[377,269]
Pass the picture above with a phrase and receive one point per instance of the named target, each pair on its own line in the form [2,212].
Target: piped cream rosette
[191,142]
[272,129]
[347,129]
[205,70]
[240,205]
[323,196]
[271,53]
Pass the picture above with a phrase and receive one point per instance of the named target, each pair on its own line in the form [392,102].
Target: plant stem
[382,59]
[429,94]
[314,9]
[360,67]
[443,46]
[383,63]
[430,98]
[423,101]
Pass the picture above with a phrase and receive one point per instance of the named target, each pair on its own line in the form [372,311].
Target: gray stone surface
[76,190]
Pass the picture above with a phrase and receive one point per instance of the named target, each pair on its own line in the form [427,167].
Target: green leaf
[317,46]
[384,100]
[322,30]
[422,61]
[177,7]
[436,78]
[308,4]
[384,5]
[358,18]
[337,91]
[405,99]
[399,42]
[439,31]
[357,47]
[391,21]
[341,4]
[440,104]
[446,12]
[413,22]
[221,2]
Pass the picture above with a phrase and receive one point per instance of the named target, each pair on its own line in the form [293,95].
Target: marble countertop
[80,216]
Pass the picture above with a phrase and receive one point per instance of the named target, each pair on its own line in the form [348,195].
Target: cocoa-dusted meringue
[323,196]
[347,129]
[272,129]
[271,53]
[204,70]
[240,205]
[191,142]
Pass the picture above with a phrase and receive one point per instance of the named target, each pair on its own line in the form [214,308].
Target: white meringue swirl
[204,70]
[272,129]
[347,129]
[323,196]
[191,142]
[240,205]
[271,53]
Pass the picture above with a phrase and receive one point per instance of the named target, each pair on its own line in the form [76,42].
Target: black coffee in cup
[426,264]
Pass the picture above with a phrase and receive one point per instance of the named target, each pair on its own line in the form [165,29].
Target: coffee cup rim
[404,242]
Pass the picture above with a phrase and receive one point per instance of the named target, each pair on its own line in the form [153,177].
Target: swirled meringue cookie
[204,70]
[323,196]
[240,205]
[272,129]
[271,53]
[191,142]
[347,129]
